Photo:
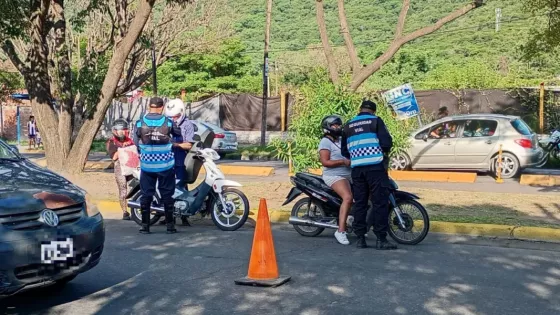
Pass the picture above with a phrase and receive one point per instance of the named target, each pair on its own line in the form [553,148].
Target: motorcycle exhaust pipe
[307,222]
[136,205]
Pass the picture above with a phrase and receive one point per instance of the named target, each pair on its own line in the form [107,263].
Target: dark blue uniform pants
[373,185]
[166,185]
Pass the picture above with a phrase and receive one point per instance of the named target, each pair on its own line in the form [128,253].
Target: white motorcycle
[215,196]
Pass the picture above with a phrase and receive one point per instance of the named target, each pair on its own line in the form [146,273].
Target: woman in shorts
[336,171]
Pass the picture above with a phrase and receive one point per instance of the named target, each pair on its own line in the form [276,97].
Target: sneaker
[126,216]
[341,238]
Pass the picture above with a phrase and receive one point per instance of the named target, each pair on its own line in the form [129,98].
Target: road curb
[473,229]
[539,180]
[263,171]
[424,176]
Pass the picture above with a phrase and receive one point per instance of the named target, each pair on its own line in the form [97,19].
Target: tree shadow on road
[193,273]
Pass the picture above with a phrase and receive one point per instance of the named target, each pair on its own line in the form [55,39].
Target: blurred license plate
[57,251]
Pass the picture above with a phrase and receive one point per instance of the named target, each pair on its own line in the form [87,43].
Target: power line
[479,26]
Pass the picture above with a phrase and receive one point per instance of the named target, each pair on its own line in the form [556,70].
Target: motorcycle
[318,211]
[215,196]
[552,144]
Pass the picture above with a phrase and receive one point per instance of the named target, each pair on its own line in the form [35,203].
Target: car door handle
[447,143]
[489,141]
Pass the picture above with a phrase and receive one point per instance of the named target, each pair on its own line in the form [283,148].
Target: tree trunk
[331,63]
[80,150]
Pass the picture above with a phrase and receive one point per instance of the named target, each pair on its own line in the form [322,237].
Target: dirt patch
[442,205]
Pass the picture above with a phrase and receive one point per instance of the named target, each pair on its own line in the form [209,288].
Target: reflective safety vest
[362,141]
[156,153]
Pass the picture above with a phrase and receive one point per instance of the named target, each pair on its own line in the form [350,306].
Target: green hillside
[465,53]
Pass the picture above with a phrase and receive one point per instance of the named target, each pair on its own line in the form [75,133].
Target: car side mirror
[425,137]
[197,138]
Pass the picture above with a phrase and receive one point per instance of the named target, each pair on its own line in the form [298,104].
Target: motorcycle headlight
[91,207]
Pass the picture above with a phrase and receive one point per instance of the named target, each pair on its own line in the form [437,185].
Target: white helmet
[174,108]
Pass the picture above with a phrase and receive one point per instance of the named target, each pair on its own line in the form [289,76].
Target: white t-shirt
[336,154]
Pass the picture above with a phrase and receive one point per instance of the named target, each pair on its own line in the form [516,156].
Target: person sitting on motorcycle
[120,139]
[336,170]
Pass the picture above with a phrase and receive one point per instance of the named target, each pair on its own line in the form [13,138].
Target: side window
[421,134]
[438,131]
[479,128]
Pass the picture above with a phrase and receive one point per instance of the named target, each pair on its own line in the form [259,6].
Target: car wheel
[510,166]
[400,162]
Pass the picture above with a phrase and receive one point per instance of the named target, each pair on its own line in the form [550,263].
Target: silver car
[472,142]
[224,141]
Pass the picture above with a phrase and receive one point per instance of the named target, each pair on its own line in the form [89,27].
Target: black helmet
[327,125]
[119,124]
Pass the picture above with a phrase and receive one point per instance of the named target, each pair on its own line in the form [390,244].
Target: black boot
[384,244]
[145,223]
[170,222]
[361,243]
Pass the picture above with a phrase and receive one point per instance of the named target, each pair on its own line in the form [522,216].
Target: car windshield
[6,153]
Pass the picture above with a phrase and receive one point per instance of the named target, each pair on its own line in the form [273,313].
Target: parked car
[472,142]
[49,230]
[224,141]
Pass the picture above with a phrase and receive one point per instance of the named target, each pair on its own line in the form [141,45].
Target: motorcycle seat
[315,180]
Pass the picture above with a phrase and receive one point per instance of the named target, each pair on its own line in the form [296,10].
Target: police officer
[367,143]
[153,136]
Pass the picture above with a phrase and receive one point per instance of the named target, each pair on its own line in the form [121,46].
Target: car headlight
[91,207]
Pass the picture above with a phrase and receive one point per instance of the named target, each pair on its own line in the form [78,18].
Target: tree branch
[359,78]
[331,63]
[345,30]
[402,19]
[10,51]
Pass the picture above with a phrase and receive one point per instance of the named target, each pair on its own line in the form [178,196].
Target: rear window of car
[521,127]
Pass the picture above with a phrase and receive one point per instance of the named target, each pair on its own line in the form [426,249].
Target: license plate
[57,251]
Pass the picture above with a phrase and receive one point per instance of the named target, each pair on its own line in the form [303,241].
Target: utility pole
[276,75]
[498,18]
[265,71]
[154,67]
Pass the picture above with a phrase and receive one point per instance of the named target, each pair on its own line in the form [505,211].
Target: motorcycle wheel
[217,213]
[415,216]
[136,214]
[301,210]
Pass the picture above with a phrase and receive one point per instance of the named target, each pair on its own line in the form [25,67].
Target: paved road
[193,272]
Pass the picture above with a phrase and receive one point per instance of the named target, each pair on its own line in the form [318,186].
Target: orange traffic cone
[263,270]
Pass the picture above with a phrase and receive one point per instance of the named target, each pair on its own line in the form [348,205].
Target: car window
[6,153]
[521,127]
[444,130]
[477,128]
[420,135]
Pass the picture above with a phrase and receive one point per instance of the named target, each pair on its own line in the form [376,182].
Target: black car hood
[27,187]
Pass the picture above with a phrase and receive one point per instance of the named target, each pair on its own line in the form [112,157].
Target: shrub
[317,99]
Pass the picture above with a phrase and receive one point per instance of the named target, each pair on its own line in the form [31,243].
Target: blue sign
[403,101]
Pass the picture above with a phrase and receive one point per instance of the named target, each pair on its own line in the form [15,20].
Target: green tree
[75,56]
[546,38]
[224,70]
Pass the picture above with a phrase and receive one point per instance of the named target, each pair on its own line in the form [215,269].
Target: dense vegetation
[467,53]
